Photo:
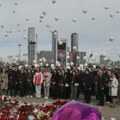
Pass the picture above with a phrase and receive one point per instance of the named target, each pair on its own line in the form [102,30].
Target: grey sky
[93,34]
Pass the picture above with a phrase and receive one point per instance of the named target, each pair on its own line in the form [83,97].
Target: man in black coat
[87,82]
[100,86]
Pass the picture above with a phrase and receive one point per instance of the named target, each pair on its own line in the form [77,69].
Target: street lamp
[19,51]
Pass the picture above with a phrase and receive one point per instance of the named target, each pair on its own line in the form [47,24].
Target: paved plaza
[106,110]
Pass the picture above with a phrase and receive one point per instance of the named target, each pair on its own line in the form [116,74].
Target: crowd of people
[59,83]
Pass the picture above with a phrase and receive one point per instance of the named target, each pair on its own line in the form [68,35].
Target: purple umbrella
[77,111]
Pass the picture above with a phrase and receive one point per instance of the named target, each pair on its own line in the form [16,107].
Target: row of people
[60,83]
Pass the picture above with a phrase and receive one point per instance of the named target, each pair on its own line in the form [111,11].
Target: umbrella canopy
[77,111]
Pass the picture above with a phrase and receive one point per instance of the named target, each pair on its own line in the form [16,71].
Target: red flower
[96,78]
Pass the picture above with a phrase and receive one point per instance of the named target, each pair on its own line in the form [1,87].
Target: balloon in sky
[44,13]
[18,24]
[93,18]
[14,11]
[15,3]
[74,20]
[2,26]
[40,21]
[53,1]
[111,39]
[56,19]
[111,15]
[106,8]
[27,19]
[117,12]
[84,11]
[48,26]
[41,17]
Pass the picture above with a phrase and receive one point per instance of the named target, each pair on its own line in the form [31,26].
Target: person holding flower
[113,89]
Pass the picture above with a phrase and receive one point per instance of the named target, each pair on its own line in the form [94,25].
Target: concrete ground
[106,110]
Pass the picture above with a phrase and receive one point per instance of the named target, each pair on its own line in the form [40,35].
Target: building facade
[74,42]
[31,45]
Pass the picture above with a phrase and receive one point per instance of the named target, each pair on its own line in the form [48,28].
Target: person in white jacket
[113,89]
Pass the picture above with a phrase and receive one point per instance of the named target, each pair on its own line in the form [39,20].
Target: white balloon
[59,65]
[68,67]
[47,64]
[36,65]
[41,64]
[68,64]
[34,61]
[71,63]
[40,60]
[81,65]
[78,57]
[78,68]
[74,47]
[85,64]
[52,65]
[85,57]
[19,67]
[94,66]
[68,57]
[26,65]
[60,42]
[67,53]
[93,58]
[105,58]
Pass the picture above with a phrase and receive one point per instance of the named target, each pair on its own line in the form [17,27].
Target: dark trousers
[87,94]
[101,96]
[67,92]
[29,88]
[16,88]
[55,91]
[108,98]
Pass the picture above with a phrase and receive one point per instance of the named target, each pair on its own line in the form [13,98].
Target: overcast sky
[94,34]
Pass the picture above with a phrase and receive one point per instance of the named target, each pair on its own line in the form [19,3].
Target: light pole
[19,51]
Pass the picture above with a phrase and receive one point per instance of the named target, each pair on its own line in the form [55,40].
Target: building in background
[31,45]
[54,47]
[61,51]
[45,54]
[74,42]
[81,59]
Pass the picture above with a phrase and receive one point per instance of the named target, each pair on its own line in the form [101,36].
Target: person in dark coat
[67,84]
[100,81]
[16,82]
[11,82]
[108,76]
[62,83]
[55,84]
[29,83]
[87,82]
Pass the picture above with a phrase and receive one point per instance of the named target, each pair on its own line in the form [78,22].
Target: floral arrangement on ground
[12,109]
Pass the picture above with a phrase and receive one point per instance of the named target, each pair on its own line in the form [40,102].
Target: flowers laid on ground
[12,109]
